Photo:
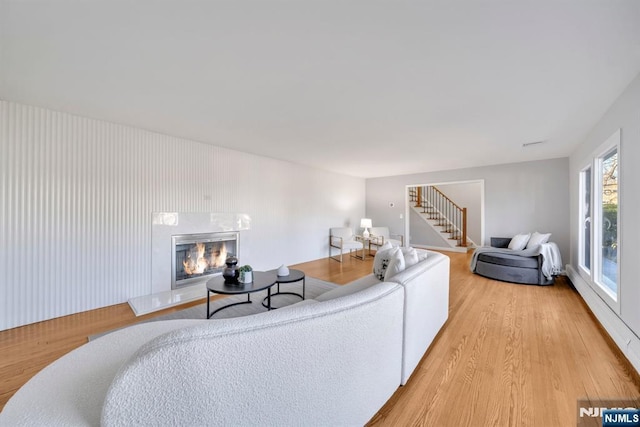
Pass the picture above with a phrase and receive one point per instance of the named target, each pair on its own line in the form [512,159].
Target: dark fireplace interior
[199,255]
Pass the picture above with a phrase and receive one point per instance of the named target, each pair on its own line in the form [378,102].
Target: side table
[294,276]
[366,241]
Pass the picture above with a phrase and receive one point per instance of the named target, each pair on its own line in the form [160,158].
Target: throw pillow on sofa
[410,256]
[396,263]
[519,241]
[538,239]
[381,260]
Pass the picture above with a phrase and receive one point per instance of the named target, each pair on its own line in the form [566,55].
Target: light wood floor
[508,355]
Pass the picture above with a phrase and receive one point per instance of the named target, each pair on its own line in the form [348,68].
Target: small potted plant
[246,274]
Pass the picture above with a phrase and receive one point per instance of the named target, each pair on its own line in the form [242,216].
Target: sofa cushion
[348,289]
[509,260]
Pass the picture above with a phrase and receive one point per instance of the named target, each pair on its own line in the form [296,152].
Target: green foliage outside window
[610,231]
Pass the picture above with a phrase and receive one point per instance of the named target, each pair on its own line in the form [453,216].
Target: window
[608,221]
[599,221]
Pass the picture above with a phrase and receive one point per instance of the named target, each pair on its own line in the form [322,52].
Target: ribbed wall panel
[77,197]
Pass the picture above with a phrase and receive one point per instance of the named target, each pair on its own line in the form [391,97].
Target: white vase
[283,271]
[247,276]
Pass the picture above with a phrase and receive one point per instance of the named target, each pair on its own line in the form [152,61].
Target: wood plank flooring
[508,355]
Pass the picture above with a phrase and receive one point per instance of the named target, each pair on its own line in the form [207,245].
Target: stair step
[450,234]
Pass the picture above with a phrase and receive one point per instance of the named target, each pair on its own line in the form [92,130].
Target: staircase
[442,214]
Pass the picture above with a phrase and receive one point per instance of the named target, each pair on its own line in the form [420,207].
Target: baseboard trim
[625,340]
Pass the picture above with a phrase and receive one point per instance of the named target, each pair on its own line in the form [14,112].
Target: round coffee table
[261,280]
[294,276]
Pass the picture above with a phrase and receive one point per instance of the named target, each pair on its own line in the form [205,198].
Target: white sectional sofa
[334,360]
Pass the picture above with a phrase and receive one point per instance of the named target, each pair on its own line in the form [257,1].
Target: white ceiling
[366,88]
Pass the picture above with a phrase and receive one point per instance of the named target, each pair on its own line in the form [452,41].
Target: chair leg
[334,257]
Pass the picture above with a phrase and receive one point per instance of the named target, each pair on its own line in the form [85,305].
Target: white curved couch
[331,361]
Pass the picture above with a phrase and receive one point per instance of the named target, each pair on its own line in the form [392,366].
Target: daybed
[535,265]
[334,360]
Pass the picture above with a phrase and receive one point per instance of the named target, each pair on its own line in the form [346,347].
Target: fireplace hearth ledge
[151,303]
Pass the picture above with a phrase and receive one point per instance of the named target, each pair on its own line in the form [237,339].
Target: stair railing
[451,216]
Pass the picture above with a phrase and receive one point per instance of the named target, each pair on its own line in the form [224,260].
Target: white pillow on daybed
[538,239]
[519,241]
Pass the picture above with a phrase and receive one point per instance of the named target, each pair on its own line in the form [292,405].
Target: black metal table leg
[218,285]
[229,305]
[284,293]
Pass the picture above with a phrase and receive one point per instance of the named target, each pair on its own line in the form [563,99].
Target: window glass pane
[586,219]
[609,221]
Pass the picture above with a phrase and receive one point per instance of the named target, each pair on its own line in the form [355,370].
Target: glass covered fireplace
[196,257]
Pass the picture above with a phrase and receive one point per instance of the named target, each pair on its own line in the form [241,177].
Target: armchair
[342,238]
[380,235]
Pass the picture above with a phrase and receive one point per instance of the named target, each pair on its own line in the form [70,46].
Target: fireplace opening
[197,257]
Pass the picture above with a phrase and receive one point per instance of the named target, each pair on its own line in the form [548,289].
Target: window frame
[581,215]
[592,276]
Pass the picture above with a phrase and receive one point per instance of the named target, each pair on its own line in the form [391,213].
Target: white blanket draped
[551,258]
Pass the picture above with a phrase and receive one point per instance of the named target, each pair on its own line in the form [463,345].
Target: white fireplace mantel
[164,226]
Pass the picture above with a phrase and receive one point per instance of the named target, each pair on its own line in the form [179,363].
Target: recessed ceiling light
[529,144]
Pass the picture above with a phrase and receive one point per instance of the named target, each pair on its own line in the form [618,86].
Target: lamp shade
[365,223]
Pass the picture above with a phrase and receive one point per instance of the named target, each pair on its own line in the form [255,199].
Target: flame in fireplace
[218,258]
[196,261]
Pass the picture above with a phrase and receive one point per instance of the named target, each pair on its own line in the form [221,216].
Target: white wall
[624,327]
[76,198]
[519,197]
